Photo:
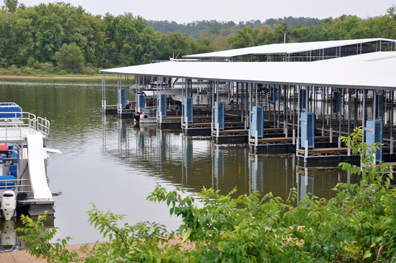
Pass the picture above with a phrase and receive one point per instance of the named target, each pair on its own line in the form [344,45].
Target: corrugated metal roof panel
[389,56]
[288,48]
[355,74]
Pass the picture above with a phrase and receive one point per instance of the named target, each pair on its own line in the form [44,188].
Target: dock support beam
[103,91]
[391,121]
[306,130]
[298,117]
[349,116]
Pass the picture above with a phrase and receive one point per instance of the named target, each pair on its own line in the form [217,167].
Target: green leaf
[187,235]
[367,254]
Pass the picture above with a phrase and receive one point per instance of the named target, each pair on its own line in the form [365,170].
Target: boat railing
[17,185]
[43,125]
[13,126]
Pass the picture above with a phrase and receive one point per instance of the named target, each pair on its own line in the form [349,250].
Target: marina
[323,96]
[257,132]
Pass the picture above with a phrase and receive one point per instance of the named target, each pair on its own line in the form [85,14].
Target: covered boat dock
[303,107]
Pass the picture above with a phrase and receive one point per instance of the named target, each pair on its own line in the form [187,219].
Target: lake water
[113,164]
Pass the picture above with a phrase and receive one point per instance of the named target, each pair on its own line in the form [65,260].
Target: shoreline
[54,77]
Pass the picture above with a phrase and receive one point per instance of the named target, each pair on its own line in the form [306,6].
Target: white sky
[183,11]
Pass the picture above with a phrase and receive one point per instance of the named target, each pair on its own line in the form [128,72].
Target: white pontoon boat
[23,162]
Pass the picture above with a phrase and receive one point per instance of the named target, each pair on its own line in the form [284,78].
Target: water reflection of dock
[194,162]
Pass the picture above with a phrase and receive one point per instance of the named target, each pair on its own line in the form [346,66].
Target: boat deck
[14,134]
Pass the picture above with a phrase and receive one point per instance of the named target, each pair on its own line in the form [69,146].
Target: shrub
[3,62]
[358,225]
[32,62]
[87,71]
[46,67]
[62,72]
[14,70]
[5,71]
[70,58]
[28,71]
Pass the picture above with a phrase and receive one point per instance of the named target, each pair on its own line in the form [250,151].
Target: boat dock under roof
[287,93]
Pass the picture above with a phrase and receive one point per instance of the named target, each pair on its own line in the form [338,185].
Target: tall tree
[70,58]
[11,5]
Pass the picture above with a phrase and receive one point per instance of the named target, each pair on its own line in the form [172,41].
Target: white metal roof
[388,56]
[379,74]
[287,48]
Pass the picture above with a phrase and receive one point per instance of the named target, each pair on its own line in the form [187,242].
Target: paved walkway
[24,257]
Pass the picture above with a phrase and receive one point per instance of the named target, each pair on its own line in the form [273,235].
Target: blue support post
[274,94]
[378,109]
[123,98]
[337,102]
[219,115]
[307,122]
[370,140]
[140,102]
[188,110]
[257,122]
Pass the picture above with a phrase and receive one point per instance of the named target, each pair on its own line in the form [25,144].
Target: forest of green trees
[196,28]
[60,38]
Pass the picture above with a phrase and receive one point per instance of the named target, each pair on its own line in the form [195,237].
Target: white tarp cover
[375,74]
[287,48]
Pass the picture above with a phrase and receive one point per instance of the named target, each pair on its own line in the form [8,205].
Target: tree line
[197,28]
[61,38]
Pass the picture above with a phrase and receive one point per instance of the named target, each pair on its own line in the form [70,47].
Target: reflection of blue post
[219,165]
[378,107]
[188,110]
[337,102]
[188,153]
[256,182]
[307,129]
[162,105]
[303,103]
[370,140]
[162,145]
[219,115]
[307,185]
[257,127]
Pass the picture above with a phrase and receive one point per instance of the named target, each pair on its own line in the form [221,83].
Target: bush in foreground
[358,225]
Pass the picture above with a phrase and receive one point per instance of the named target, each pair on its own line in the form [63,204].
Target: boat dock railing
[15,127]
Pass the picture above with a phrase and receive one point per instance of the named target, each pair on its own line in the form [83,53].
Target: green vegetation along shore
[57,39]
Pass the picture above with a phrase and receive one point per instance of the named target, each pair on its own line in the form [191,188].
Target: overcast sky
[183,11]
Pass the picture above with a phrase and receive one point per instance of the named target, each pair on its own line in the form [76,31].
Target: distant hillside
[225,28]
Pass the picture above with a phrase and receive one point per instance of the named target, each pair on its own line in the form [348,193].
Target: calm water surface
[113,164]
